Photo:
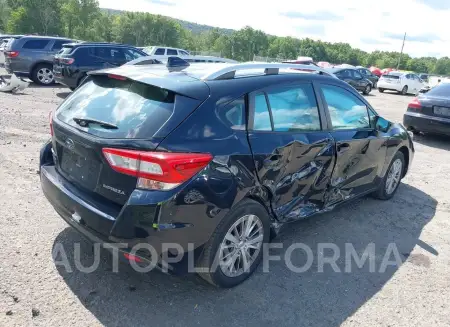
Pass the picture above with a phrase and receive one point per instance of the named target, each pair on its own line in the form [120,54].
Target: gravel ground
[34,291]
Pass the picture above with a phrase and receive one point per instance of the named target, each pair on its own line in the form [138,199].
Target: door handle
[342,147]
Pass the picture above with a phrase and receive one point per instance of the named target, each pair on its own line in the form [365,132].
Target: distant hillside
[193,27]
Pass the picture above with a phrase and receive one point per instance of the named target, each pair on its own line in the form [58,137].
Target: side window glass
[262,116]
[346,110]
[172,52]
[59,44]
[160,52]
[118,55]
[233,114]
[294,108]
[35,44]
[102,53]
[356,74]
[131,54]
[345,73]
[128,55]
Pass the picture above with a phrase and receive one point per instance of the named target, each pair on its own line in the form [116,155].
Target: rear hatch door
[62,59]
[113,112]
[391,78]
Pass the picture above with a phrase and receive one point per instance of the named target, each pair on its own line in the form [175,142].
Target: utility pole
[401,52]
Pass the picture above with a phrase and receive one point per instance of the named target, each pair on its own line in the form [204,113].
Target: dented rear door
[294,157]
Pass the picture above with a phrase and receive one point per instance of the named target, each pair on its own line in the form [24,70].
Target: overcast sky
[368,25]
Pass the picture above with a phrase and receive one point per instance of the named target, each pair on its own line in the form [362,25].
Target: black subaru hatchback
[213,158]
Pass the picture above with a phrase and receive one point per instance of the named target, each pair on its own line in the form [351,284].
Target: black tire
[42,74]
[380,90]
[215,275]
[382,193]
[404,90]
[367,89]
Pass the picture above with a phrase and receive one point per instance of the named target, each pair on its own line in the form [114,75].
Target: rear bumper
[424,123]
[94,222]
[389,86]
[67,76]
[133,226]
[90,221]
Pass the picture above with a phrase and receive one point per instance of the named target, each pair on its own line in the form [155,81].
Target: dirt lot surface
[33,291]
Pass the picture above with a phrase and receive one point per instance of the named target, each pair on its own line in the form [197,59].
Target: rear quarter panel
[229,178]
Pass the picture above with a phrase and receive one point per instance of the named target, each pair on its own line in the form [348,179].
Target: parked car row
[355,78]
[75,60]
[32,57]
[48,59]
[364,81]
[45,60]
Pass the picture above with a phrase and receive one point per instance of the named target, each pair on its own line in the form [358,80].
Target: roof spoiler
[176,64]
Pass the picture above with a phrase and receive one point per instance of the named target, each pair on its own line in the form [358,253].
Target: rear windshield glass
[135,110]
[391,76]
[441,90]
[65,50]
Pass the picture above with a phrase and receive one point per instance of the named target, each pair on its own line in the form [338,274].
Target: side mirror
[382,124]
[424,90]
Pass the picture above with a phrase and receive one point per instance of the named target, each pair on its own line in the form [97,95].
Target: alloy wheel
[394,176]
[241,245]
[45,76]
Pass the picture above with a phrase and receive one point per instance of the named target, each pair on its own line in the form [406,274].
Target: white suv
[403,83]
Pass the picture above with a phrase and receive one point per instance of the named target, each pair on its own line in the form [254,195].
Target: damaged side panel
[297,172]
[360,158]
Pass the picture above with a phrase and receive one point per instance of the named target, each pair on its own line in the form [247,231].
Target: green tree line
[84,20]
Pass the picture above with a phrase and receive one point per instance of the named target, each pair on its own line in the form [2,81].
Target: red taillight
[415,104]
[157,170]
[67,61]
[50,118]
[12,54]
[120,78]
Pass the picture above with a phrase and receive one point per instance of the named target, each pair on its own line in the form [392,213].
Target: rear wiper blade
[85,122]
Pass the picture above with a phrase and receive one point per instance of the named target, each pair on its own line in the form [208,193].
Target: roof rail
[229,71]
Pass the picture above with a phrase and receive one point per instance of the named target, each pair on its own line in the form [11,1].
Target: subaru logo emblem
[70,144]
